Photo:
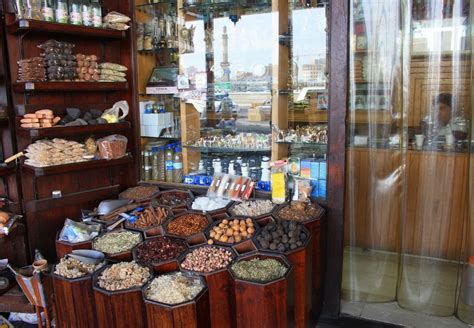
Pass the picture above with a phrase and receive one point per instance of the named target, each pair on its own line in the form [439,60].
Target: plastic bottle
[96,10]
[75,13]
[169,163]
[161,164]
[86,12]
[178,165]
[61,12]
[155,169]
[47,10]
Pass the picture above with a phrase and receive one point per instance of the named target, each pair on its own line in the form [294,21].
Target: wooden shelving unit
[60,86]
[24,26]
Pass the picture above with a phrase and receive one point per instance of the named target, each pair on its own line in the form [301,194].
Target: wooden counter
[436,190]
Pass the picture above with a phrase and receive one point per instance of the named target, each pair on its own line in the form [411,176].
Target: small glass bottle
[86,13]
[161,164]
[75,13]
[33,9]
[178,166]
[47,10]
[169,163]
[61,12]
[96,10]
[155,169]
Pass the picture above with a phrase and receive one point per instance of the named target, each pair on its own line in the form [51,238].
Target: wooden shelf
[82,166]
[308,116]
[7,170]
[35,26]
[68,131]
[60,86]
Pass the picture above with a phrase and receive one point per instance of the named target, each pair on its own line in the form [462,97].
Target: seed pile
[282,236]
[173,198]
[232,231]
[151,216]
[123,275]
[138,193]
[71,268]
[261,270]
[253,208]
[160,249]
[300,211]
[207,259]
[174,288]
[116,242]
[188,224]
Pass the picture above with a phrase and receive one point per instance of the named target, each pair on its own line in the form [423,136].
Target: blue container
[323,170]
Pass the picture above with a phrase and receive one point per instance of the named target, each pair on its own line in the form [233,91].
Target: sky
[252,40]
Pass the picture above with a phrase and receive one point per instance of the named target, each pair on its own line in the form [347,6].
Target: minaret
[225,56]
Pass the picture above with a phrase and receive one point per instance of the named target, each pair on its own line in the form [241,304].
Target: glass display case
[249,87]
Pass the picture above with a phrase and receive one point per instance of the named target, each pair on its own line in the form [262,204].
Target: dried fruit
[123,275]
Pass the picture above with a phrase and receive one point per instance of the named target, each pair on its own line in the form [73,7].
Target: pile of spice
[232,231]
[209,203]
[188,224]
[123,275]
[300,211]
[71,268]
[174,288]
[173,199]
[116,242]
[253,208]
[282,236]
[260,270]
[149,217]
[207,259]
[160,249]
[138,193]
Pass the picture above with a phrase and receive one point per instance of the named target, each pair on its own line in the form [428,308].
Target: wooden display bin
[125,256]
[266,305]
[152,231]
[220,294]
[301,260]
[163,266]
[64,247]
[178,208]
[192,314]
[217,214]
[123,308]
[256,218]
[192,239]
[74,301]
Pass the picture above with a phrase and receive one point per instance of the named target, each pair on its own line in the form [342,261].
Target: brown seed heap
[253,208]
[138,192]
[188,224]
[233,231]
[173,198]
[151,216]
[207,259]
[123,275]
[300,211]
[71,268]
[160,249]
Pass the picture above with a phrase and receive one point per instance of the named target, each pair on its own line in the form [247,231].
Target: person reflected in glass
[437,124]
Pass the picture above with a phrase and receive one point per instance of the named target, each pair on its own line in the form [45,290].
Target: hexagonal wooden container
[191,314]
[256,218]
[124,256]
[197,235]
[64,247]
[162,266]
[301,259]
[220,293]
[123,308]
[217,213]
[266,305]
[74,301]
[176,208]
[154,230]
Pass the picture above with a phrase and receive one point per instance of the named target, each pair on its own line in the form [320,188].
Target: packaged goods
[77,232]
[31,70]
[112,147]
[54,152]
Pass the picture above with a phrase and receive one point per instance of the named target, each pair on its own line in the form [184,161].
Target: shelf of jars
[221,7]
[154,6]
[228,150]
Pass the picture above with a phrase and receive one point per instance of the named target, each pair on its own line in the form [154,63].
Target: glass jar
[279,182]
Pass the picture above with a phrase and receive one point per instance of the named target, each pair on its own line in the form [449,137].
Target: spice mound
[232,231]
[138,193]
[282,236]
[123,275]
[253,208]
[174,288]
[207,259]
[149,217]
[300,211]
[188,224]
[259,270]
[116,242]
[209,204]
[160,249]
[173,198]
[71,268]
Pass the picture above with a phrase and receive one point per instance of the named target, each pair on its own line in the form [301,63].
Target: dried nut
[123,275]
[207,259]
[71,268]
[253,208]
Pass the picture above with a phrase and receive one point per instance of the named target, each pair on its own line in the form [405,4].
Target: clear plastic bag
[118,112]
[112,147]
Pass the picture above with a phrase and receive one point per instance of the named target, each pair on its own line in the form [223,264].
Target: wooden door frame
[338,26]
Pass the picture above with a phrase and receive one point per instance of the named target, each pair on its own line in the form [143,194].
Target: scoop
[87,256]
[107,206]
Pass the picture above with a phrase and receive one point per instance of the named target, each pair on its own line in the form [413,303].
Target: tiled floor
[428,286]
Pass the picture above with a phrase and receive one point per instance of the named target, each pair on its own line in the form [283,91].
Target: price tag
[29,86]
[24,23]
